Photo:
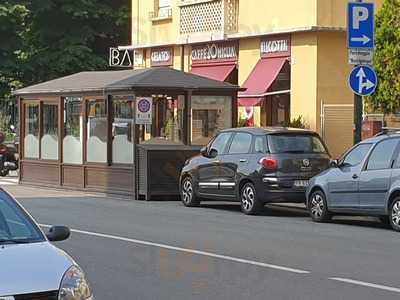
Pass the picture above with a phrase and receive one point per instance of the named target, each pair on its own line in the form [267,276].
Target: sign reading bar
[119,58]
[144,110]
[162,57]
[361,56]
[125,58]
[275,46]
[216,52]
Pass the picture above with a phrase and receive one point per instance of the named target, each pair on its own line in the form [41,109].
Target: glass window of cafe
[31,130]
[96,126]
[277,107]
[73,130]
[122,130]
[167,121]
[49,139]
[210,114]
[41,130]
[272,110]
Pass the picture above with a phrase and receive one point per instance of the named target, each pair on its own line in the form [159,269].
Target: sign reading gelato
[162,57]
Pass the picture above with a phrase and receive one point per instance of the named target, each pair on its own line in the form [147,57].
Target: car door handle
[355,176]
[243,160]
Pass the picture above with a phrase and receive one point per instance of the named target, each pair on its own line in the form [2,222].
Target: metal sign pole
[358,110]
[134,140]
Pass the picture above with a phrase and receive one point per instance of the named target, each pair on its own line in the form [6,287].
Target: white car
[31,268]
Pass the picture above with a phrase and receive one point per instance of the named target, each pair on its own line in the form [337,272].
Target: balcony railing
[163,13]
[208,16]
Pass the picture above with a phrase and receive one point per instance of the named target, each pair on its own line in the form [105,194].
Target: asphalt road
[162,250]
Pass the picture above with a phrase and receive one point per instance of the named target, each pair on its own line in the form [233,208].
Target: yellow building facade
[290,55]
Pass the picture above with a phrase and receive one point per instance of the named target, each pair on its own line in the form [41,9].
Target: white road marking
[191,251]
[367,284]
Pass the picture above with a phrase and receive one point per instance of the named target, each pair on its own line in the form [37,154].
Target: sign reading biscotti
[214,52]
[162,57]
[275,46]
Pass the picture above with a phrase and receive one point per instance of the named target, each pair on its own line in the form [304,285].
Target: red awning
[216,72]
[261,78]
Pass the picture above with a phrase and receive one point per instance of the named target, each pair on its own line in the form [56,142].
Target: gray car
[365,181]
[254,166]
[31,267]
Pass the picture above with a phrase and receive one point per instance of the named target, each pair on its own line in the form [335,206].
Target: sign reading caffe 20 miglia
[275,46]
[215,52]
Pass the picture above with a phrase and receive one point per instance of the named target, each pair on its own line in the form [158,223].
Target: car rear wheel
[394,217]
[249,201]
[188,195]
[318,208]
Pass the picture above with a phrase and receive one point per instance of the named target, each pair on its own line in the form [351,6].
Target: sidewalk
[11,179]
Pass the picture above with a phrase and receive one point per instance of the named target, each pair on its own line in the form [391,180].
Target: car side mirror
[334,163]
[58,233]
[213,153]
[204,151]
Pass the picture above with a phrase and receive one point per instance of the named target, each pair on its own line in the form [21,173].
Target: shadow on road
[269,210]
[273,210]
[360,222]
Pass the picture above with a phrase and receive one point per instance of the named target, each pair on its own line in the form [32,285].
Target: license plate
[301,183]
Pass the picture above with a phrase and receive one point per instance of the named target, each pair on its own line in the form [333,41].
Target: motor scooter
[8,157]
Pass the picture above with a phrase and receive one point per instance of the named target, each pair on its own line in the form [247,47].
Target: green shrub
[298,122]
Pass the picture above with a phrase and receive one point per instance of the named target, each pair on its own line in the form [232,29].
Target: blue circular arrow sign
[363,80]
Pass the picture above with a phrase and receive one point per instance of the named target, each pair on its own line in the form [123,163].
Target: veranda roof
[106,81]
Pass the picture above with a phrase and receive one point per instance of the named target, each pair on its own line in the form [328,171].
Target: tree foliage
[12,28]
[42,40]
[387,58]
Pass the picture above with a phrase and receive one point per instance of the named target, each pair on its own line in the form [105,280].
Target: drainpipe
[183,58]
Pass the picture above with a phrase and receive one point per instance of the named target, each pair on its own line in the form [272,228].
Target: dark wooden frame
[91,176]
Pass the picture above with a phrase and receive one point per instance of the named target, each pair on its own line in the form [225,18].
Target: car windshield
[15,225]
[295,143]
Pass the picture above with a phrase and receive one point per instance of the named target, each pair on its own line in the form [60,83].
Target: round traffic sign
[363,80]
[144,105]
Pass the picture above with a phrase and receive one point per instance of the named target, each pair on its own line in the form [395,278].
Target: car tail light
[269,164]
[3,149]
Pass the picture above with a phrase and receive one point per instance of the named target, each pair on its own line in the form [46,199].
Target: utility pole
[358,111]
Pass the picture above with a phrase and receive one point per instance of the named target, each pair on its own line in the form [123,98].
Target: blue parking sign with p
[360,25]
